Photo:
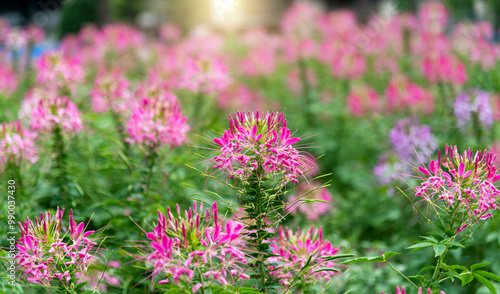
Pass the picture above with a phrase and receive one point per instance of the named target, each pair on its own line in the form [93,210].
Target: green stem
[151,157]
[306,93]
[438,265]
[60,162]
[400,273]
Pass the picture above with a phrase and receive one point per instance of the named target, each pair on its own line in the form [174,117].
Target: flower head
[463,184]
[465,108]
[402,291]
[8,80]
[205,75]
[56,112]
[411,141]
[62,72]
[363,99]
[157,122]
[16,143]
[111,90]
[196,246]
[294,249]
[259,145]
[44,249]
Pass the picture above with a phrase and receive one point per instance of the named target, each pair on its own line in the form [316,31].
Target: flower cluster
[8,80]
[158,122]
[198,249]
[16,143]
[462,184]
[46,253]
[402,291]
[62,72]
[294,250]
[412,144]
[465,108]
[402,93]
[260,146]
[111,90]
[412,141]
[363,99]
[205,75]
[303,201]
[56,112]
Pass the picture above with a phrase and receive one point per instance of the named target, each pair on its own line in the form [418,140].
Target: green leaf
[488,275]
[326,269]
[479,265]
[466,278]
[420,245]
[355,260]
[388,255]
[332,257]
[427,268]
[439,249]
[454,243]
[486,283]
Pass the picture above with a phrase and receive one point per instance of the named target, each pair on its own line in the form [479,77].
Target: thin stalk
[438,265]
[401,274]
[60,162]
[151,157]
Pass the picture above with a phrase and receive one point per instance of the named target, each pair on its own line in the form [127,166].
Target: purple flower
[412,141]
[473,102]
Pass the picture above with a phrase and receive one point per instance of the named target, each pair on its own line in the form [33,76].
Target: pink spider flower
[433,17]
[402,291]
[56,112]
[122,37]
[295,81]
[260,61]
[170,32]
[16,144]
[59,71]
[294,249]
[299,202]
[259,145]
[239,96]
[158,122]
[197,248]
[444,68]
[402,93]
[349,65]
[363,99]
[462,184]
[34,34]
[111,90]
[32,99]
[301,21]
[45,249]
[8,80]
[205,75]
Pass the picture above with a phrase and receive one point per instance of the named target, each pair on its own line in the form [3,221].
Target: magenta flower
[8,80]
[205,75]
[461,184]
[16,144]
[260,146]
[157,122]
[444,68]
[196,250]
[363,99]
[433,17]
[295,249]
[111,89]
[59,71]
[402,291]
[313,210]
[56,112]
[402,94]
[46,253]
